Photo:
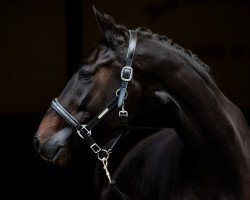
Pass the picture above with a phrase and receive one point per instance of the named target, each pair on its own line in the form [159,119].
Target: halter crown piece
[84,130]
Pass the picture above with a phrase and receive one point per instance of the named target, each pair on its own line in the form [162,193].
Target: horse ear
[112,32]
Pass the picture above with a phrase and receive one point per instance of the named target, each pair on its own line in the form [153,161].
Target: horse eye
[85,74]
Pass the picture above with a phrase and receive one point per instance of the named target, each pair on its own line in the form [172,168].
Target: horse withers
[205,152]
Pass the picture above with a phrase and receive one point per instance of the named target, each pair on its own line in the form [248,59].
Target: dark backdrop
[42,43]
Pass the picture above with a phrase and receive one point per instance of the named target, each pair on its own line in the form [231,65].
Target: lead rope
[105,167]
[112,181]
[104,161]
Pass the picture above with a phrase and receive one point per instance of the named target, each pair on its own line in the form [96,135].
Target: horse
[132,79]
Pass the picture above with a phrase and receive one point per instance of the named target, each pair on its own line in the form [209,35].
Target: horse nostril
[36,143]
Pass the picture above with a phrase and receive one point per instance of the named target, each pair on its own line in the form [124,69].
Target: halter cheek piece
[127,71]
[84,130]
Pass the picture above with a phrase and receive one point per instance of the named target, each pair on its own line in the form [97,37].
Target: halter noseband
[84,130]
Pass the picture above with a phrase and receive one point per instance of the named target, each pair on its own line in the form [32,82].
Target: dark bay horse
[203,154]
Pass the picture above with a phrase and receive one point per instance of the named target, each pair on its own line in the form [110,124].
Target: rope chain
[105,167]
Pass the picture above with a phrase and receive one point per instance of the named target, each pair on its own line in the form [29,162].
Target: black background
[68,30]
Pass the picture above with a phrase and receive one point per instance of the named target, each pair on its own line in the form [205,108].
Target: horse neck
[209,121]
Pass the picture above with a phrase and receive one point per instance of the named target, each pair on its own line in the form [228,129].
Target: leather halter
[84,130]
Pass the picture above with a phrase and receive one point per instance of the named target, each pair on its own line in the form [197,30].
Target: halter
[84,130]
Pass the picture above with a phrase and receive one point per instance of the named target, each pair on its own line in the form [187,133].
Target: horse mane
[199,66]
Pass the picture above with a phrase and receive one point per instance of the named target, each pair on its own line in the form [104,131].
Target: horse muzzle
[56,148]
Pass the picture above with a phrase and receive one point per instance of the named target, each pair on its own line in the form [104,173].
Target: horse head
[91,87]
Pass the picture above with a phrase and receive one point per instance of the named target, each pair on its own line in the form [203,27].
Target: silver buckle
[123,113]
[123,73]
[88,132]
[95,148]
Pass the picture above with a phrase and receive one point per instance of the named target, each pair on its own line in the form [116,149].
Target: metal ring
[105,156]
[117,91]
